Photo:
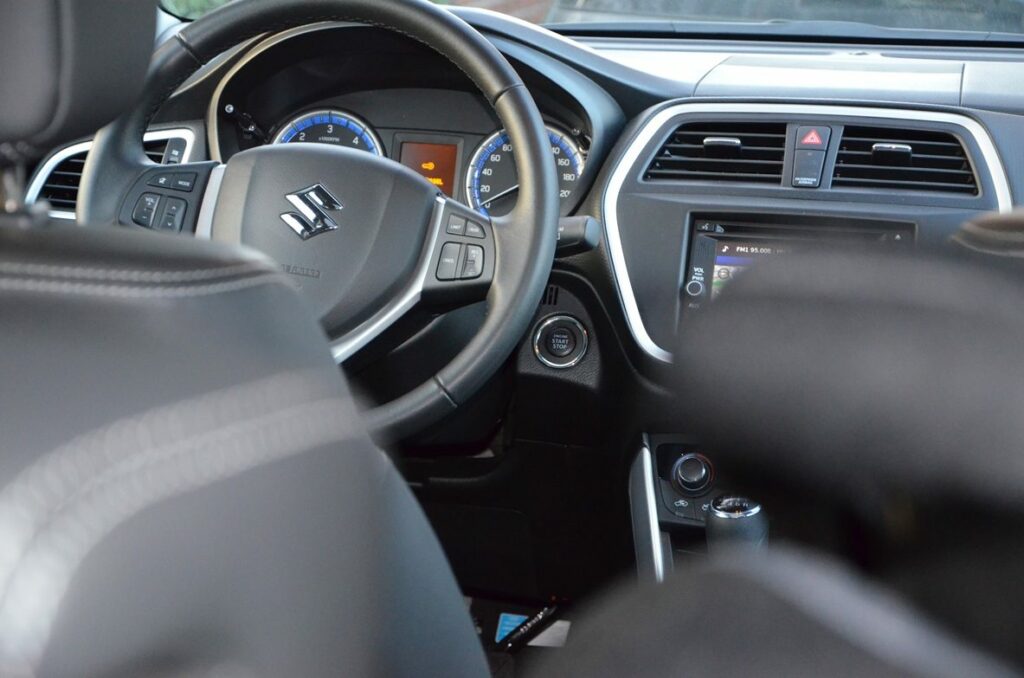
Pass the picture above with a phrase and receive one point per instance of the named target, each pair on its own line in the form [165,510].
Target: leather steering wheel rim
[525,239]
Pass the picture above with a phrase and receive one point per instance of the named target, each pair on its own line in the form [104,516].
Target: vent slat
[758,158]
[711,176]
[61,186]
[939,161]
[847,169]
[908,185]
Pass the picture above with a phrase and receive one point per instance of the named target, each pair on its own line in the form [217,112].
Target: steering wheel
[367,238]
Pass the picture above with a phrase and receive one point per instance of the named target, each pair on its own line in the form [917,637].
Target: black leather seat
[184,481]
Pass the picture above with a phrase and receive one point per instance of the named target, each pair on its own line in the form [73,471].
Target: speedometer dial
[330,127]
[492,184]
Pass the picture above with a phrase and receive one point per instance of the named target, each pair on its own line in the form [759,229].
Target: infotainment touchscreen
[720,249]
[733,256]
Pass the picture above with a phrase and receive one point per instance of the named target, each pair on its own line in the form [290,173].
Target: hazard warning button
[815,137]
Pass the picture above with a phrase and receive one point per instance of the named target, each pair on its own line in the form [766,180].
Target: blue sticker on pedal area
[507,623]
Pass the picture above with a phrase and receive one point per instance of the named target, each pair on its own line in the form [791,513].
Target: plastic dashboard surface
[407,103]
[647,221]
[594,85]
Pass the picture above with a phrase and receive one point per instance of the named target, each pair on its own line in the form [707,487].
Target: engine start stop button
[560,341]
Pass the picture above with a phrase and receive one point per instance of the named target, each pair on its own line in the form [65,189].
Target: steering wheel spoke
[462,257]
[166,198]
[364,240]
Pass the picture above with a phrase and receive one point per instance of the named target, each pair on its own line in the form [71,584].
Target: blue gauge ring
[344,120]
[499,139]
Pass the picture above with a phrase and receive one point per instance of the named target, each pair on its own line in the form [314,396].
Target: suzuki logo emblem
[313,205]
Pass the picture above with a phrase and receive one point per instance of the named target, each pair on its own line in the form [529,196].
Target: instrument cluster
[372,91]
[486,176]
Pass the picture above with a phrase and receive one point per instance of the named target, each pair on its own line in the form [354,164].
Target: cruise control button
[813,137]
[807,167]
[473,265]
[474,230]
[449,261]
[456,225]
[145,209]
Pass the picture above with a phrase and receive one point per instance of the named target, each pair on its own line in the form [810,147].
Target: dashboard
[677,148]
[354,86]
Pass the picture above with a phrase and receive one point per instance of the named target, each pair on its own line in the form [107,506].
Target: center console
[702,190]
[682,509]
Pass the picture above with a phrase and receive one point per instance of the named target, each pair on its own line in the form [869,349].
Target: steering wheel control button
[807,167]
[176,181]
[474,230]
[175,151]
[173,215]
[560,341]
[449,261]
[813,137]
[184,181]
[692,473]
[473,265]
[144,213]
[456,225]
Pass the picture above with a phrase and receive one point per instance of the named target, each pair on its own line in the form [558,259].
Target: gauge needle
[487,202]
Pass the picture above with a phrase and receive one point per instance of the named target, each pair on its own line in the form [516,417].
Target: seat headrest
[854,373]
[68,68]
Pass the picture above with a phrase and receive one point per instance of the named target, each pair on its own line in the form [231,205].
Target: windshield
[968,18]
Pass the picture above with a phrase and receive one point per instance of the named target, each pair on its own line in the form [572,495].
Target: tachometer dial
[492,184]
[330,127]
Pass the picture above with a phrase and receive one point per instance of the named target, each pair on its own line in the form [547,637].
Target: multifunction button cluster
[461,258]
[809,159]
[163,211]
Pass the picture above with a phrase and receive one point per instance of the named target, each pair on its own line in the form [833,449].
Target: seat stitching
[129,275]
[137,292]
[66,502]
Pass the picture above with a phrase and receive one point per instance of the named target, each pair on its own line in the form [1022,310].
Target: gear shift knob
[735,521]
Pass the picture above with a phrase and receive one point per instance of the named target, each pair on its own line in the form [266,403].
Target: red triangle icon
[811,138]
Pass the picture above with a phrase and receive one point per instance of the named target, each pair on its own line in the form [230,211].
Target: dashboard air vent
[903,159]
[721,151]
[60,187]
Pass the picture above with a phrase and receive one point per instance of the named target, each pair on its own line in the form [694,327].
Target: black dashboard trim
[632,161]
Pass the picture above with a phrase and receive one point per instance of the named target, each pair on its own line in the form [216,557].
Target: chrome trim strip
[345,347]
[204,222]
[59,156]
[656,124]
[645,516]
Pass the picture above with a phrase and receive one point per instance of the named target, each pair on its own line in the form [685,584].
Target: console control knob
[695,288]
[693,473]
